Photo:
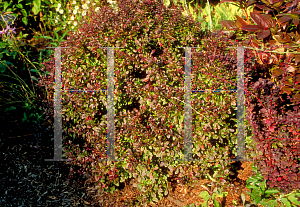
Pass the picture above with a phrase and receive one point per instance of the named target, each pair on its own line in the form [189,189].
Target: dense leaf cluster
[274,108]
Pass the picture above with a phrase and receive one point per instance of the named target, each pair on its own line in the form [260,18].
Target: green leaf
[56,35]
[24,12]
[155,199]
[217,204]
[3,44]
[256,195]
[211,178]
[222,195]
[9,10]
[166,192]
[112,189]
[36,6]
[47,37]
[268,192]
[205,195]
[293,198]
[63,36]
[263,186]
[20,6]
[271,203]
[24,118]
[286,202]
[14,54]
[243,198]
[34,70]
[204,204]
[6,52]
[2,68]
[252,180]
[10,109]
[47,2]
[7,62]
[25,20]
[5,5]
[34,78]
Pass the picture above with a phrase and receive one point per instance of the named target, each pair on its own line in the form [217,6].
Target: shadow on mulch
[28,180]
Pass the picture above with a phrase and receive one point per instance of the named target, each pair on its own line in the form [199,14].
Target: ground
[26,179]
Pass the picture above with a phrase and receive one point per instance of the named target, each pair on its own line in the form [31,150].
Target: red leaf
[296,22]
[231,25]
[251,28]
[263,20]
[284,19]
[153,51]
[269,20]
[263,34]
[242,21]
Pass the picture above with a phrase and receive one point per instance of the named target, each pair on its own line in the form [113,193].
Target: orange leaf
[277,72]
[296,96]
[297,78]
[287,89]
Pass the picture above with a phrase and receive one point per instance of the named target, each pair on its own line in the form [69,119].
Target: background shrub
[273,110]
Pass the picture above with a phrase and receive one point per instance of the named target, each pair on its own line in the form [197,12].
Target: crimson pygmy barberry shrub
[149,97]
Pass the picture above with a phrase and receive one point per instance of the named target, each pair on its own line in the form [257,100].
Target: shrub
[274,113]
[148,104]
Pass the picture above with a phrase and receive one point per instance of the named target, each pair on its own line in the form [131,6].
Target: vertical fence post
[240,106]
[57,109]
[110,106]
[188,143]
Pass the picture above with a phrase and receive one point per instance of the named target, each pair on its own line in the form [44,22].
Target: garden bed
[27,179]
